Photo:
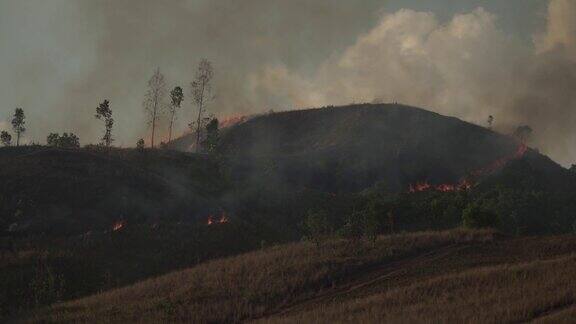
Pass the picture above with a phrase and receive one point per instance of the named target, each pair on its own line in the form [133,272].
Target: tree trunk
[170,130]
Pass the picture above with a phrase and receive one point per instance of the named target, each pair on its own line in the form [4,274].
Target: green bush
[476,216]
[316,227]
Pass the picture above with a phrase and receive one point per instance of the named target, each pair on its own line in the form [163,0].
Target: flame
[465,183]
[222,220]
[118,226]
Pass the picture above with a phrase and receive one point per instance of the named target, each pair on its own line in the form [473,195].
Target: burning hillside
[467,182]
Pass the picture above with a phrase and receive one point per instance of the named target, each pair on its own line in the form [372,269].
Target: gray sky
[60,58]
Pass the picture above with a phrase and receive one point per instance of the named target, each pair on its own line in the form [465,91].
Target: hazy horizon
[513,60]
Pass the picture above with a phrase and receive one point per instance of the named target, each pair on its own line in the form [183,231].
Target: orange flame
[223,219]
[465,184]
[118,226]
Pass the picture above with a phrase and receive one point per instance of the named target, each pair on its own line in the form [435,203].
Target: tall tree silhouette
[201,89]
[154,101]
[18,122]
[176,96]
[103,112]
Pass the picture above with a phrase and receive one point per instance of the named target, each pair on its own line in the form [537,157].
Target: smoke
[60,59]
[467,68]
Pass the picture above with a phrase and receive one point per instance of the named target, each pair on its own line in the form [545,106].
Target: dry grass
[251,285]
[500,294]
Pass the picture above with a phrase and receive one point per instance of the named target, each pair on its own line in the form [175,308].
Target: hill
[457,276]
[351,148]
[74,191]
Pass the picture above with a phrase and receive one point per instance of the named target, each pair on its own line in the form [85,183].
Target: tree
[64,141]
[490,121]
[316,227]
[176,96]
[5,138]
[523,133]
[212,136]
[201,89]
[103,112]
[69,140]
[53,139]
[154,100]
[18,122]
[476,216]
[140,145]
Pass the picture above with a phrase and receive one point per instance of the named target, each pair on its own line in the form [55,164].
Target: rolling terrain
[160,235]
[456,276]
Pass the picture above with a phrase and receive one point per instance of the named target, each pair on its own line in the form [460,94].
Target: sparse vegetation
[18,122]
[154,101]
[104,112]
[387,281]
[201,90]
[64,141]
[5,138]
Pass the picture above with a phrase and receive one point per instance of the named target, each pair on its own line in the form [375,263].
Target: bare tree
[103,112]
[154,100]
[176,96]
[18,122]
[201,89]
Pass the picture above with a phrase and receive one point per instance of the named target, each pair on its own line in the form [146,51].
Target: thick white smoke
[466,68]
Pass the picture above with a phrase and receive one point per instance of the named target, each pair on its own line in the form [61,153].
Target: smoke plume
[275,54]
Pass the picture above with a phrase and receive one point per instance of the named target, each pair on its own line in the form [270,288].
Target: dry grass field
[453,276]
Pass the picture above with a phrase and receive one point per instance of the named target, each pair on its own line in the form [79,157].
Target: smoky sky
[60,58]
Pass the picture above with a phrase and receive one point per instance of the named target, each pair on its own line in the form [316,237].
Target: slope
[457,276]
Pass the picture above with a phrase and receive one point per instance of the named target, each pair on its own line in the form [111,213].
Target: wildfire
[231,121]
[223,219]
[118,226]
[466,184]
[445,187]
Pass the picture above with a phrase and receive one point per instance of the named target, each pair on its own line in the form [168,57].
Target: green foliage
[360,225]
[5,138]
[476,216]
[46,287]
[18,122]
[67,140]
[103,112]
[316,227]
[140,145]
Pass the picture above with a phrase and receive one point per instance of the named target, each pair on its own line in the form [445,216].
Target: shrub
[475,216]
[316,227]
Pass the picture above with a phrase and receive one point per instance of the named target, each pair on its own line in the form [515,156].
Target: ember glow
[223,219]
[118,226]
[466,183]
[231,121]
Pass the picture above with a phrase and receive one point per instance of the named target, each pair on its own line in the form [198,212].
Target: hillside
[74,191]
[457,276]
[351,148]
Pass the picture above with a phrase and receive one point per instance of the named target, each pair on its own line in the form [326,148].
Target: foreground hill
[457,276]
[351,148]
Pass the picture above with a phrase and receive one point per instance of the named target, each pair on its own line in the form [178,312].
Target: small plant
[5,138]
[317,227]
[140,145]
[475,216]
[46,287]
